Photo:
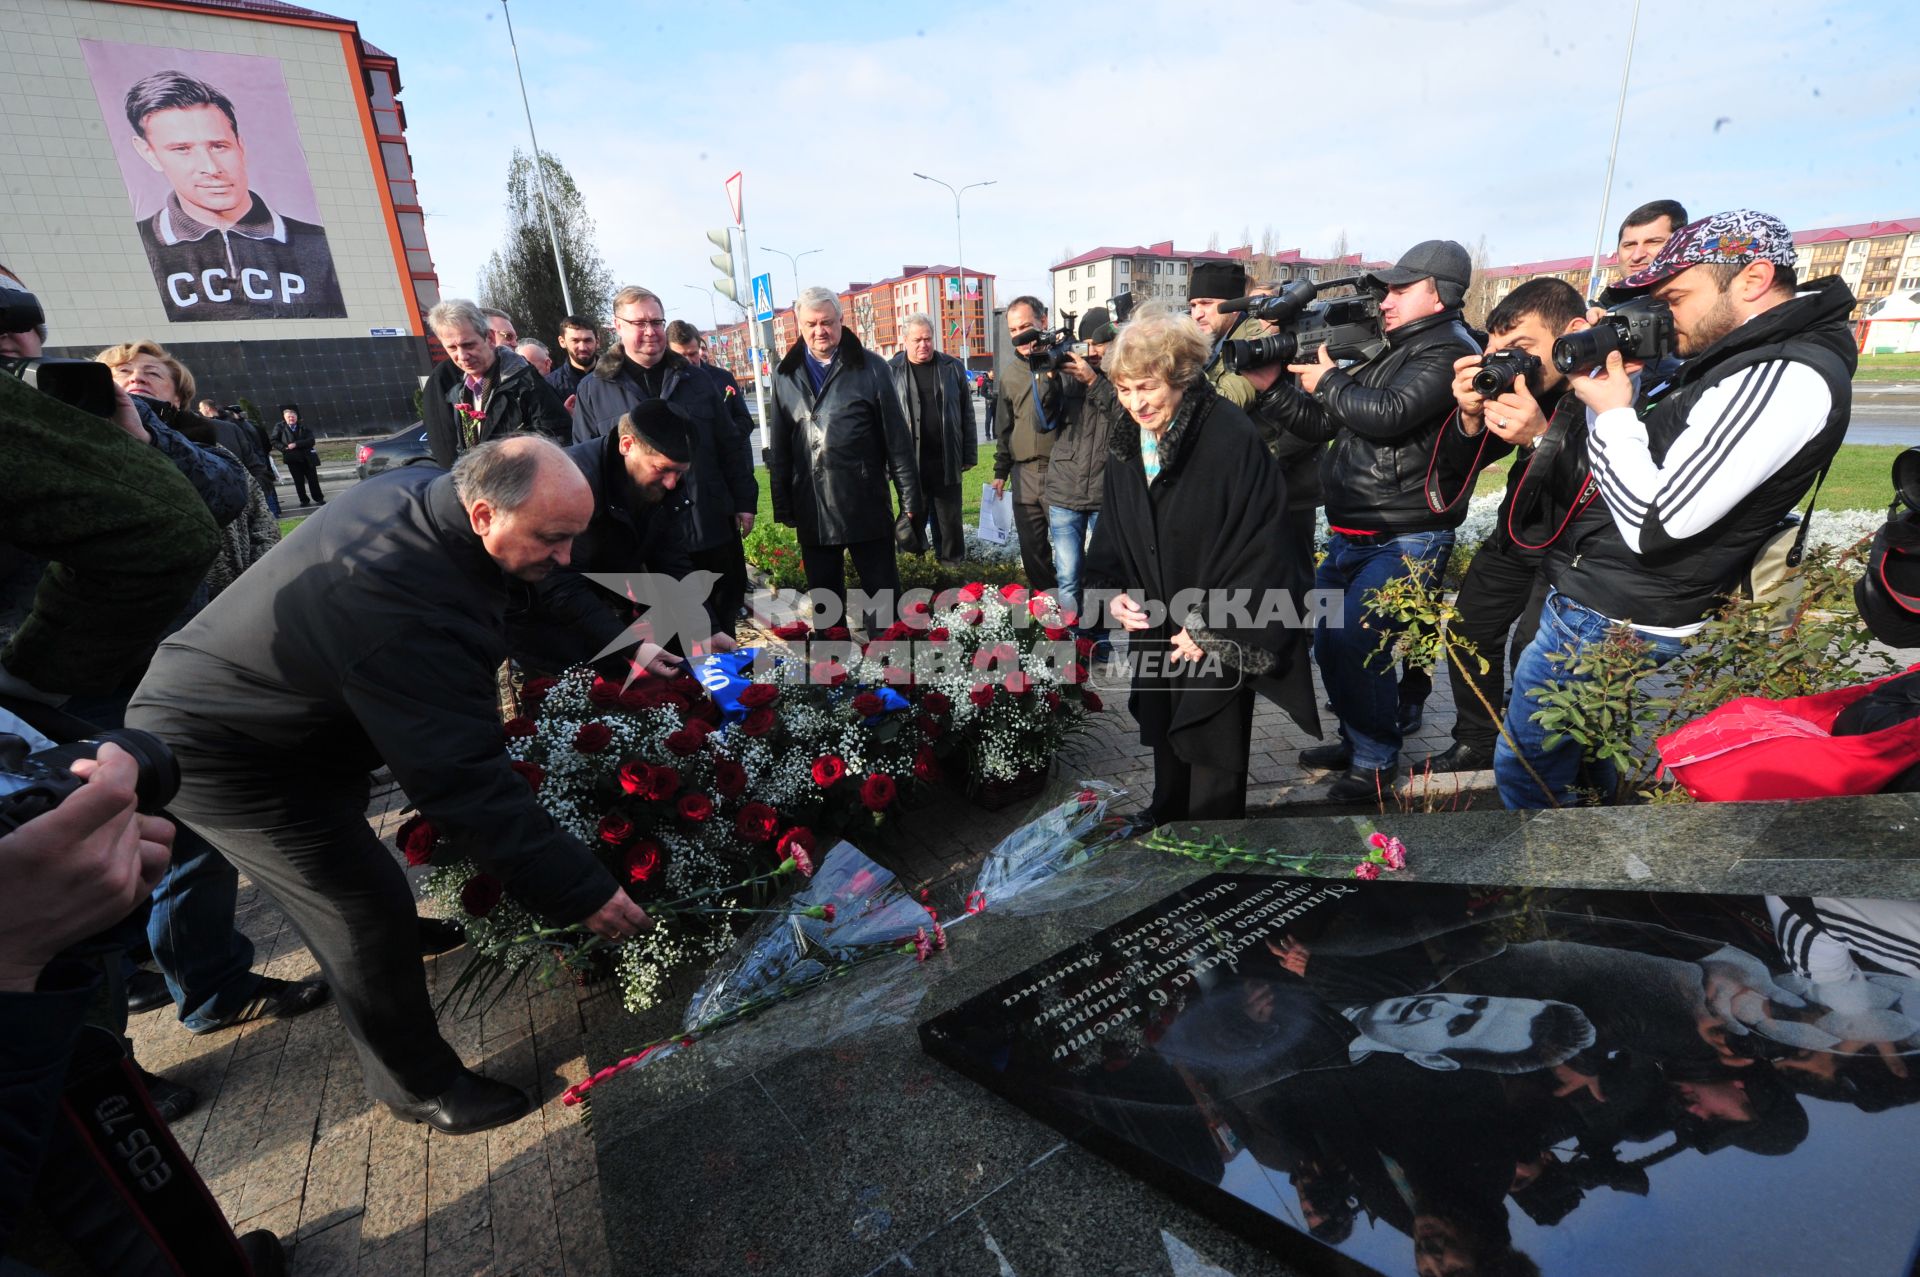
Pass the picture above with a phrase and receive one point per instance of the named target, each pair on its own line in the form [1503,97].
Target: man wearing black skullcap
[1210,284]
[638,474]
[1384,416]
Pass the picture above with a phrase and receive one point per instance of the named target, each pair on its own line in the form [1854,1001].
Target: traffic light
[723,262]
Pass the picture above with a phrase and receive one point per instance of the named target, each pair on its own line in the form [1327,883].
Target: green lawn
[1888,368]
[1861,478]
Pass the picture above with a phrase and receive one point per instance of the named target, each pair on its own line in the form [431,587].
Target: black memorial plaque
[1415,1078]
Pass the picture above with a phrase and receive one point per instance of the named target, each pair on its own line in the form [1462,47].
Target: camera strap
[1545,452]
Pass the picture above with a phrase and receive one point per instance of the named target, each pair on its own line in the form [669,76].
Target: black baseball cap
[1442,260]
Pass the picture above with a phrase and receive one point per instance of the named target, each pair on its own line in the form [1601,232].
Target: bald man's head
[526,500]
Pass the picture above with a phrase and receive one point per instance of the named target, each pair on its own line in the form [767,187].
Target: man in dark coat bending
[371,635]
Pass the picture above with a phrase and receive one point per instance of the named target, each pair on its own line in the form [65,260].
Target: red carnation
[932,727]
[416,839]
[1053,700]
[867,704]
[797,845]
[972,592]
[662,783]
[481,894]
[705,715]
[755,695]
[1017,683]
[639,696]
[895,632]
[531,773]
[633,776]
[981,694]
[1084,646]
[791,630]
[641,860]
[836,634]
[1053,632]
[592,737]
[1039,605]
[536,689]
[936,703]
[758,722]
[1091,699]
[687,685]
[756,822]
[729,778]
[827,674]
[685,741]
[938,634]
[696,807]
[971,616]
[520,728]
[1078,674]
[671,700]
[615,829]
[1013,592]
[828,769]
[877,792]
[924,765]
[603,693]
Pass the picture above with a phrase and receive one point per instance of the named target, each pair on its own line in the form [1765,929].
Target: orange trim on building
[350,45]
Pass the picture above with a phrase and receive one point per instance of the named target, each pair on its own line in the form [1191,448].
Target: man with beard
[1693,473]
[375,635]
[1211,284]
[1503,584]
[580,343]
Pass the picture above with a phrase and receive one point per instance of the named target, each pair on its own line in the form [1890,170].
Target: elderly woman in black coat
[1192,535]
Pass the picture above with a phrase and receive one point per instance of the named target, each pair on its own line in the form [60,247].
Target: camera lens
[1906,479]
[1491,383]
[1588,348]
[1277,348]
[159,770]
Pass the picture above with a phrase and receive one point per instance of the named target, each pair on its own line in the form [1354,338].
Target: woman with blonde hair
[1191,535]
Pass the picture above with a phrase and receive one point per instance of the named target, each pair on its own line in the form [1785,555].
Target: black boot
[1363,784]
[1461,756]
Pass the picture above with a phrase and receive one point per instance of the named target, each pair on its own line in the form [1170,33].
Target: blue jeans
[273,497]
[1360,677]
[1069,531]
[1565,628]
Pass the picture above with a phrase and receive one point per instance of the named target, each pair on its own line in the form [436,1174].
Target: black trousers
[1503,585]
[1191,791]
[826,567]
[729,594]
[346,895]
[306,477]
[1030,520]
[945,533]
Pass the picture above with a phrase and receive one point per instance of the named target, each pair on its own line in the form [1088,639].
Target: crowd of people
[1158,491]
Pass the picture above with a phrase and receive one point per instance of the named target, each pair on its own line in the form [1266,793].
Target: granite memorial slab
[1401,1077]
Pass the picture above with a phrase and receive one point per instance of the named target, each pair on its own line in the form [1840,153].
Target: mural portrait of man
[221,247]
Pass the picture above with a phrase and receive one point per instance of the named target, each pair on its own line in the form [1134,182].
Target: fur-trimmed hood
[607,367]
[852,353]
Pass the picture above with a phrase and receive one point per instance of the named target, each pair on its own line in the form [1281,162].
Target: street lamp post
[793,260]
[1606,192]
[960,245]
[539,168]
[711,308]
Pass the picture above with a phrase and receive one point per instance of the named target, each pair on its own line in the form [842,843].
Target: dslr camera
[84,384]
[1501,369]
[1640,329]
[1350,327]
[49,777]
[1056,346]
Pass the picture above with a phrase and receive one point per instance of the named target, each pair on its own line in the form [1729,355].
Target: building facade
[229,178]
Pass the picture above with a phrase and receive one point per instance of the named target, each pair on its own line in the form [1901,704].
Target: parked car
[407,448]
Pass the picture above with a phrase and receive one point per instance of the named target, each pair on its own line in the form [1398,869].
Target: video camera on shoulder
[1641,329]
[1056,346]
[1349,327]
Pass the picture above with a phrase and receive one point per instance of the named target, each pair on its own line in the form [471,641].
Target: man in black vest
[1691,474]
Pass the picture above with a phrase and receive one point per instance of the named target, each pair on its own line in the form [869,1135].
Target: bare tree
[1480,299]
[1213,241]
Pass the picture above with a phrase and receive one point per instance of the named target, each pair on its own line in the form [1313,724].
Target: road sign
[733,198]
[763,296]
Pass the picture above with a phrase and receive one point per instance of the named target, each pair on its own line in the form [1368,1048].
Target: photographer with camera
[1298,457]
[1077,471]
[1506,399]
[1035,403]
[1691,474]
[1384,416]
[1210,284]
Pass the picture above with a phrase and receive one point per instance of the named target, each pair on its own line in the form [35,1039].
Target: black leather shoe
[1327,758]
[1363,784]
[274,999]
[170,1100]
[1461,757]
[147,991]
[1412,717]
[439,935]
[471,1105]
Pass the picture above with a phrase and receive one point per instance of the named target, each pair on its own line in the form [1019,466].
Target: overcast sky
[1125,123]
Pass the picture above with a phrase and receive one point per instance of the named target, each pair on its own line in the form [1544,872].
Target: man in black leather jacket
[1383,416]
[933,391]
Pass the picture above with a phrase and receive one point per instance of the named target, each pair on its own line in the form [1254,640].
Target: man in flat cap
[1384,416]
[631,558]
